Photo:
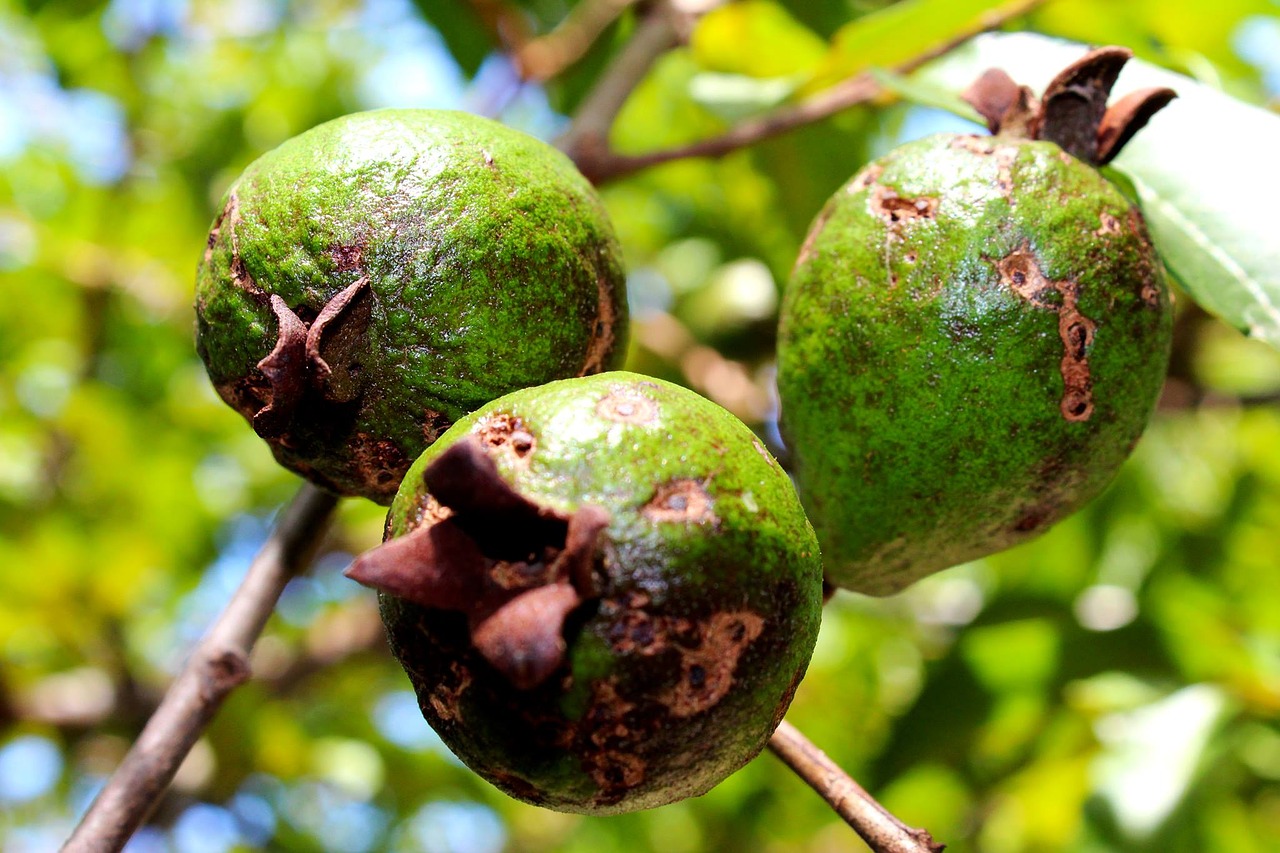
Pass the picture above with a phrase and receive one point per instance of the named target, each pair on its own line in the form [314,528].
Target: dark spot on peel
[627,407]
[896,210]
[680,501]
[1020,272]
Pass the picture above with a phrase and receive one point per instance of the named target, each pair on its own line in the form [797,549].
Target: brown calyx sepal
[321,354]
[516,569]
[1073,111]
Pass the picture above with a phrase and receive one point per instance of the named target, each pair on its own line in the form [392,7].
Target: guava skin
[489,264]
[707,606]
[973,339]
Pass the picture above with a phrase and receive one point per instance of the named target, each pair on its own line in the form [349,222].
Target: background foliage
[1112,686]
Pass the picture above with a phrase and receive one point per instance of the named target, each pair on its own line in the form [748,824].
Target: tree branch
[883,832]
[546,56]
[588,135]
[600,163]
[217,666]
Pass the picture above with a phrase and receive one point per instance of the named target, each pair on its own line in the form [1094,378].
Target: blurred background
[1113,686]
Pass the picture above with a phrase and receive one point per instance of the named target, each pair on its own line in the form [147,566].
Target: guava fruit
[372,280]
[604,591]
[974,335]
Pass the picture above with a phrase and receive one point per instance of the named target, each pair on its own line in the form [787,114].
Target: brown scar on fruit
[896,209]
[445,698]
[1020,272]
[864,179]
[1110,225]
[627,407]
[707,670]
[680,501]
[434,424]
[230,217]
[347,258]
[603,332]
[603,739]
[504,432]
[380,462]
[477,559]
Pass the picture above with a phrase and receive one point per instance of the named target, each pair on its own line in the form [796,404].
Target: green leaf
[893,35]
[1203,171]
[757,38]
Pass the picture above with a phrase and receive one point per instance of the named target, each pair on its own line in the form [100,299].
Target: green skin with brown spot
[490,260]
[973,340]
[678,672]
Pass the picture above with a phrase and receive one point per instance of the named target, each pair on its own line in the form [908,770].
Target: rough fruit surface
[688,621]
[973,339]
[379,276]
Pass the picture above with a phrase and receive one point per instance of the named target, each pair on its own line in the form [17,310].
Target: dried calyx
[1073,111]
[320,356]
[515,569]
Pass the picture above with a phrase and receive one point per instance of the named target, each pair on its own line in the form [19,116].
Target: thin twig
[883,832]
[546,56]
[217,665]
[588,136]
[599,163]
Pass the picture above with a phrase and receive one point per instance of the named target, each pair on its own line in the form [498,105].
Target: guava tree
[1110,685]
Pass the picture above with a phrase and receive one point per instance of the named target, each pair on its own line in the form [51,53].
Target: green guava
[972,341]
[976,332]
[604,591]
[372,280]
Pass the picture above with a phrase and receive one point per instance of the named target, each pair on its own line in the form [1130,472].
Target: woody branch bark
[883,832]
[217,666]
[601,164]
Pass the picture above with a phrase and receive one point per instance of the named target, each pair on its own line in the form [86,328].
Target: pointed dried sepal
[1006,106]
[285,368]
[1075,101]
[1126,117]
[577,561]
[524,638]
[434,565]
[333,342]
[506,525]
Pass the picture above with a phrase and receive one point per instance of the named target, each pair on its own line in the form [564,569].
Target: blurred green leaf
[757,38]
[900,32]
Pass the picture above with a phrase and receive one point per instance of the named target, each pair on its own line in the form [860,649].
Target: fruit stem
[883,832]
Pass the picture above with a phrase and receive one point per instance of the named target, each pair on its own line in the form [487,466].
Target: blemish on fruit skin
[603,335]
[603,738]
[627,407]
[896,209]
[707,669]
[1021,273]
[1110,225]
[346,258]
[650,631]
[445,697]
[230,217]
[677,501]
[507,433]
[865,178]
